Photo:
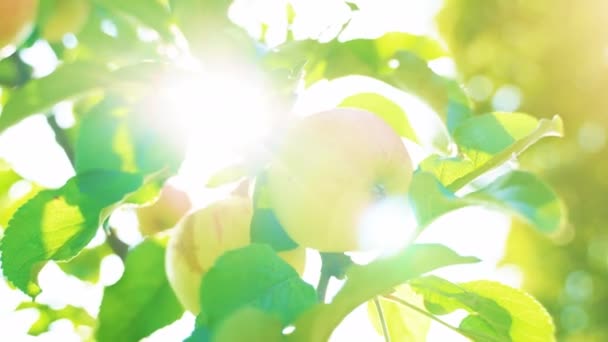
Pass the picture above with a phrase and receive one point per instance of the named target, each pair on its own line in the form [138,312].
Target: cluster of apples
[18,17]
[329,168]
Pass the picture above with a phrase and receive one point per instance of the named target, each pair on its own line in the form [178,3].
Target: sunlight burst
[225,115]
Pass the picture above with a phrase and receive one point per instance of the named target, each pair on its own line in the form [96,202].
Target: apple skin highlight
[329,169]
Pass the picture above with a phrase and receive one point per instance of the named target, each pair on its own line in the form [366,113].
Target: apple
[329,169]
[67,16]
[16,20]
[203,236]
[172,204]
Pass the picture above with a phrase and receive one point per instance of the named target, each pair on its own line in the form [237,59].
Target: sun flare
[225,115]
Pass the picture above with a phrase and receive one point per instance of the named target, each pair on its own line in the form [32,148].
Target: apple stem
[322,286]
[61,137]
[332,265]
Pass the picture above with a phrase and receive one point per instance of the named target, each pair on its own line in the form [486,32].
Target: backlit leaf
[366,282]
[404,324]
[254,276]
[142,301]
[58,224]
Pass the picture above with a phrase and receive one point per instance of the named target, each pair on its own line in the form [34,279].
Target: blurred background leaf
[548,57]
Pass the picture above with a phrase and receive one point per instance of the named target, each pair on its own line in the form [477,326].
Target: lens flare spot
[388,226]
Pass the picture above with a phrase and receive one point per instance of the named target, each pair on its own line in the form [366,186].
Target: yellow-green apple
[16,20]
[67,16]
[329,169]
[172,204]
[203,236]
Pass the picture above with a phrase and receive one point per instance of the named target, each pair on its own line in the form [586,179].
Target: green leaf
[444,95]
[10,207]
[429,199]
[158,140]
[443,297]
[335,264]
[199,334]
[491,140]
[353,6]
[86,265]
[149,191]
[371,57]
[254,276]
[517,135]
[210,33]
[40,94]
[47,316]
[142,301]
[123,49]
[480,329]
[385,108]
[58,224]
[404,324]
[483,136]
[531,322]
[366,282]
[518,193]
[249,324]
[447,169]
[498,312]
[14,71]
[525,195]
[132,139]
[8,177]
[151,13]
[265,226]
[104,123]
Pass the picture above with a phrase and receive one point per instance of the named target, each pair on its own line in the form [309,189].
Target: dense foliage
[116,59]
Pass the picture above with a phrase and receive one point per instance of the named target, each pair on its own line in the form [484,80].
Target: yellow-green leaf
[403,323]
[530,320]
[385,108]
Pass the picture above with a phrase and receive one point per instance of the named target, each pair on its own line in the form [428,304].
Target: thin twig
[385,333]
[61,138]
[119,247]
[425,313]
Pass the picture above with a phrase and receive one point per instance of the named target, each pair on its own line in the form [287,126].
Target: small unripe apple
[171,205]
[329,169]
[16,20]
[203,236]
[67,16]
